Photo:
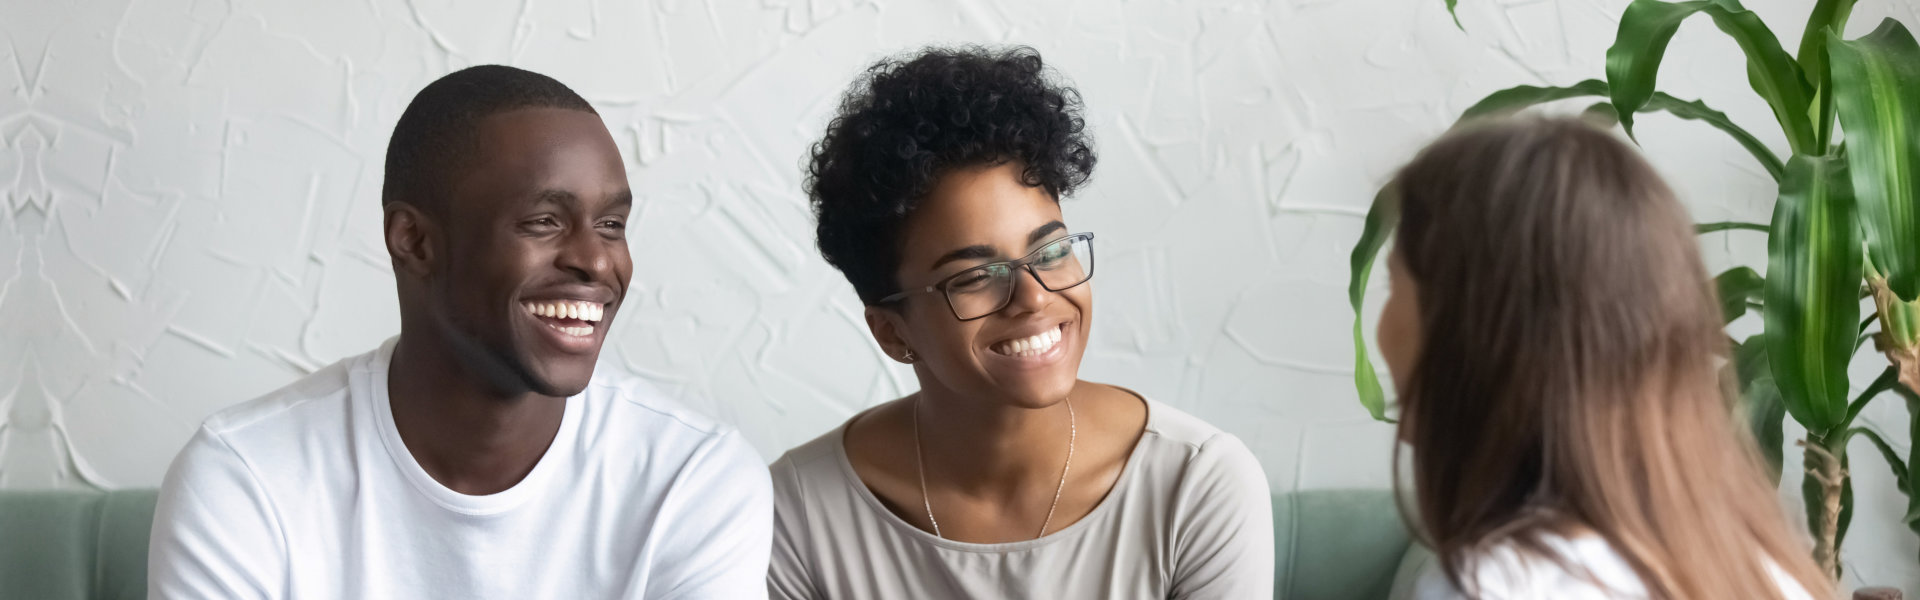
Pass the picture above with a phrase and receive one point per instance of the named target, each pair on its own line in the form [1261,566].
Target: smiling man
[478,454]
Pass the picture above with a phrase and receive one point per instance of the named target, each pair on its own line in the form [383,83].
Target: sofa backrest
[60,545]
[57,545]
[1340,545]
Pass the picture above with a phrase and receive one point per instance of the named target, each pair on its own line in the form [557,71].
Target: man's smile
[571,324]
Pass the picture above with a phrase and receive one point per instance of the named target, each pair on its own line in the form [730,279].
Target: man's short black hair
[910,121]
[436,133]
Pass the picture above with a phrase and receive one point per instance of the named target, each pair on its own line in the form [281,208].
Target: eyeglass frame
[1023,263]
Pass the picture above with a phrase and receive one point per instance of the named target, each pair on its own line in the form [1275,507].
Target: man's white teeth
[1029,346]
[568,309]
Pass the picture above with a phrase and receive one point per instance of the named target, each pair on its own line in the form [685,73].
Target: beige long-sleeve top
[1189,517]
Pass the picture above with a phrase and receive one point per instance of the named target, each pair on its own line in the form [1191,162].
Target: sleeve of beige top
[787,577]
[1223,543]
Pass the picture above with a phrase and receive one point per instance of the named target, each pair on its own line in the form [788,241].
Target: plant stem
[1824,470]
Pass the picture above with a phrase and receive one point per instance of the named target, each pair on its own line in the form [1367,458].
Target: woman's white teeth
[568,309]
[1029,346]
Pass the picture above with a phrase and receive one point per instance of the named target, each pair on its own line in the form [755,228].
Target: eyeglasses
[984,290]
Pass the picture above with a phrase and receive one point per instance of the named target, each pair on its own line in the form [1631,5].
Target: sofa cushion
[1337,544]
[75,544]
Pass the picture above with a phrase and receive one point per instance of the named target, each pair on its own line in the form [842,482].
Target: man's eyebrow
[1041,232]
[621,199]
[554,196]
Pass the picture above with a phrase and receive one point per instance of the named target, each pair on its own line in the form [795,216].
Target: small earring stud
[907,356]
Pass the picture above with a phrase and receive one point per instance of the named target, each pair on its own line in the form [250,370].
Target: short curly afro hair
[910,120]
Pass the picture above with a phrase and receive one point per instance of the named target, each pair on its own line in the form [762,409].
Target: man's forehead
[541,155]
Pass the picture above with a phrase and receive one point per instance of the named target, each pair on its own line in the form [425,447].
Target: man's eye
[614,225]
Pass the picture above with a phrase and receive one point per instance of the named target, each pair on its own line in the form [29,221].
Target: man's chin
[562,380]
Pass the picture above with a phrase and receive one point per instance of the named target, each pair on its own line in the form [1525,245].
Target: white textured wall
[192,198]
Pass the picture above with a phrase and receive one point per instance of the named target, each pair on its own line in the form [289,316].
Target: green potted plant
[1845,227]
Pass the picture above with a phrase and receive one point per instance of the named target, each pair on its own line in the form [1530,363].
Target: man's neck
[468,435]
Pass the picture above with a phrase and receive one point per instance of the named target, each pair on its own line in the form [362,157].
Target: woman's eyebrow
[977,251]
[1041,232]
[982,251]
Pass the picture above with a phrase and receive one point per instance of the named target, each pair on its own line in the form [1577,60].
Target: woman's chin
[1037,394]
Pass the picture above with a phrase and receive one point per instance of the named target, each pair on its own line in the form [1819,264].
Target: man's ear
[888,328]
[410,239]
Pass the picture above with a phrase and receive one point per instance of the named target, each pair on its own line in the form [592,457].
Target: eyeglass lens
[983,290]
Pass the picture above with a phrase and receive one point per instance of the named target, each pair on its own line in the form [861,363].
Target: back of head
[435,135]
[1569,369]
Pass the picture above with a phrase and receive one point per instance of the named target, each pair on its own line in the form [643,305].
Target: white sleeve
[1223,547]
[215,534]
[716,526]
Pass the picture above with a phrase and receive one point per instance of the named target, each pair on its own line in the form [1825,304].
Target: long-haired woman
[1557,350]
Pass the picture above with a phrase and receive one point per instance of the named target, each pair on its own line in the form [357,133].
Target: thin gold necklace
[920,468]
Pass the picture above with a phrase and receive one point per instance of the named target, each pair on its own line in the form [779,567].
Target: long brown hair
[1568,378]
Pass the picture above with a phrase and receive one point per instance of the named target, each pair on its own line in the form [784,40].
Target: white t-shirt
[309,492]
[1189,517]
[1510,573]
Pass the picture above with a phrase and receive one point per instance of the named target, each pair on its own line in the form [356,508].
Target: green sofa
[55,545]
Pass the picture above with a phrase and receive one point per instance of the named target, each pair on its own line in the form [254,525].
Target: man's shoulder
[631,401]
[629,415]
[304,404]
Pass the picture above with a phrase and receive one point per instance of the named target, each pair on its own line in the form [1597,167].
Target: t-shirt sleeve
[1224,545]
[787,578]
[716,527]
[214,530]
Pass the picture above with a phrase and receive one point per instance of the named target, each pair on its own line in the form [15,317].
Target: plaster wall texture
[191,193]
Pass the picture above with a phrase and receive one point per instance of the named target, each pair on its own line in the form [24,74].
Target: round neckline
[1105,506]
[380,404]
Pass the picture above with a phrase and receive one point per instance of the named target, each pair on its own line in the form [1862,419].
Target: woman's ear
[889,329]
[410,239]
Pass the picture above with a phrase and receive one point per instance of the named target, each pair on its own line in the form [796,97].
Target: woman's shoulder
[1178,450]
[1576,566]
[827,462]
[1172,430]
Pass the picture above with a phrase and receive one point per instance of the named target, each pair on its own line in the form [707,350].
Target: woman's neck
[989,447]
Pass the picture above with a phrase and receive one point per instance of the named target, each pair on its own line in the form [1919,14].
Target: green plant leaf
[1884,382]
[1737,286]
[1514,99]
[1912,517]
[1373,234]
[1601,115]
[1813,272]
[1699,111]
[1760,405]
[1647,26]
[1827,14]
[1846,505]
[1705,228]
[1900,475]
[1877,94]
[1451,4]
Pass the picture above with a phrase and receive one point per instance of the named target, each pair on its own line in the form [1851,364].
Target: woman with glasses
[937,192]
